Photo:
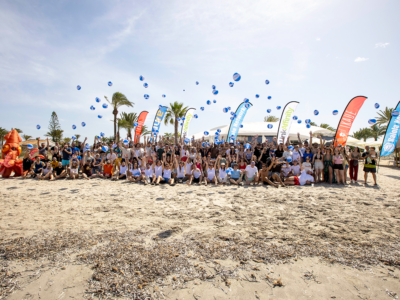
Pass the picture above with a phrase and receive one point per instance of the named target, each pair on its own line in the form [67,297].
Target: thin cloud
[381,45]
[361,59]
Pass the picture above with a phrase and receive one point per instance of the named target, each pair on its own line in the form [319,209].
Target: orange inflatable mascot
[9,161]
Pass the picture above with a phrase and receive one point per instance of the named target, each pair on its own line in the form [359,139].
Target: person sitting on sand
[211,177]
[274,170]
[108,169]
[236,177]
[196,176]
[73,169]
[295,168]
[47,172]
[39,165]
[222,175]
[263,176]
[59,172]
[180,171]
[27,165]
[304,178]
[167,172]
[134,173]
[251,173]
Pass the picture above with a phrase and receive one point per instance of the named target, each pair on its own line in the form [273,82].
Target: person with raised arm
[180,170]
[274,170]
[221,166]
[211,176]
[263,175]
[304,178]
[166,172]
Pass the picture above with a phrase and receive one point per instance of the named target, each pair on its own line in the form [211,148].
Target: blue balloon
[257,96]
[307,121]
[247,105]
[225,110]
[208,102]
[269,110]
[236,77]
[141,78]
[178,119]
[229,108]
[266,81]
[295,118]
[92,108]
[246,100]
[219,130]
[335,112]
[183,90]
[215,92]
[104,148]
[187,141]
[289,159]
[217,133]
[146,96]
[229,171]
[371,121]
[395,113]
[308,126]
[29,147]
[126,142]
[241,126]
[291,148]
[136,124]
[376,105]
[78,87]
[269,97]
[231,84]
[181,124]
[316,112]
[146,85]
[102,134]
[105,105]
[38,127]
[183,119]
[195,116]
[99,116]
[232,113]
[73,127]
[163,96]
[213,87]
[73,138]
[214,101]
[98,99]
[270,126]
[204,144]
[247,146]
[197,83]
[278,107]
[109,83]
[232,118]
[206,133]
[202,108]
[299,121]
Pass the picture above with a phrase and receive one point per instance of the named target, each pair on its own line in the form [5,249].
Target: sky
[320,53]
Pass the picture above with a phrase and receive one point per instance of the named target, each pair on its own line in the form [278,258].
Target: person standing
[355,156]
[370,163]
[66,155]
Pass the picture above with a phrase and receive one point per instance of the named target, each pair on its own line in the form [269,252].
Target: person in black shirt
[275,170]
[279,151]
[27,163]
[43,149]
[59,172]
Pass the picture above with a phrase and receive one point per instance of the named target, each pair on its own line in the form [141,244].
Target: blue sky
[320,53]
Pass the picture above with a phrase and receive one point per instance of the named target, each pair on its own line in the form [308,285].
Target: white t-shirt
[295,170]
[250,172]
[305,177]
[286,169]
[296,155]
[307,166]
[181,172]
[111,156]
[302,150]
[122,170]
[126,152]
[222,173]
[210,174]
[189,168]
[148,172]
[196,173]
[158,171]
[287,154]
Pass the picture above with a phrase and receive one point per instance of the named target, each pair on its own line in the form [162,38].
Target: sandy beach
[77,239]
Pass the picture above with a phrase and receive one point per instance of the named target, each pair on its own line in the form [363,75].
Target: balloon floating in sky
[105,105]
[141,78]
[206,133]
[102,134]
[236,77]
[241,126]
[225,110]
[73,138]
[29,147]
[376,105]
[183,90]
[146,96]
[163,96]
[269,110]
[308,125]
[183,119]
[126,142]
[232,118]
[247,146]
[37,126]
[395,113]
[104,148]
[197,83]
[316,112]
[231,84]
[218,130]
[229,108]
[146,85]
[98,99]
[257,96]
[270,126]
[73,127]
[136,124]
[215,92]
[246,100]
[214,101]
[278,107]
[213,87]
[195,116]
[208,102]
[99,116]
[269,97]
[266,81]
[307,121]
[247,105]
[178,119]
[299,121]
[217,133]
[109,83]
[202,108]
[295,118]
[181,124]
[92,108]
[78,87]
[335,112]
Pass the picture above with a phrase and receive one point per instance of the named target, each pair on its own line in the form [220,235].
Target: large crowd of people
[240,163]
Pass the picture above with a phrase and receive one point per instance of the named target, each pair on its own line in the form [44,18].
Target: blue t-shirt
[235,174]
[66,156]
[305,155]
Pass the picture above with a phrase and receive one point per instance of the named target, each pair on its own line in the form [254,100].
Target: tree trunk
[176,131]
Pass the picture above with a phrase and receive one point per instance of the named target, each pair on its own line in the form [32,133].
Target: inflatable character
[9,161]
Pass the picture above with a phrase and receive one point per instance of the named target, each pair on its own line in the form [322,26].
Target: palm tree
[26,137]
[271,119]
[66,140]
[127,121]
[18,130]
[3,133]
[313,123]
[362,134]
[77,137]
[175,111]
[384,116]
[375,131]
[145,130]
[118,100]
[168,135]
[327,126]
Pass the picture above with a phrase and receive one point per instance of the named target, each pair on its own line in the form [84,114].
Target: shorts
[296,180]
[123,176]
[38,171]
[223,179]
[270,174]
[369,169]
[318,165]
[338,166]
[250,179]
[65,162]
[166,179]
[196,180]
